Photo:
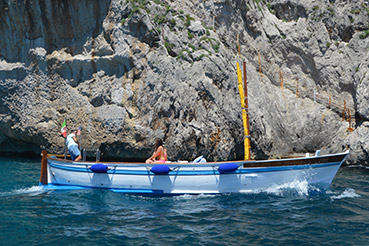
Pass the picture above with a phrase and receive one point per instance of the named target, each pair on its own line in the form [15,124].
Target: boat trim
[177,172]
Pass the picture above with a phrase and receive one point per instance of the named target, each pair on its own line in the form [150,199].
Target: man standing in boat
[72,144]
[160,153]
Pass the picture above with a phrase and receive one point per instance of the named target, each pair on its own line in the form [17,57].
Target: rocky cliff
[133,70]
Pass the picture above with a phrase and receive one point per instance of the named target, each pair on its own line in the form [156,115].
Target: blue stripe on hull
[119,190]
[205,172]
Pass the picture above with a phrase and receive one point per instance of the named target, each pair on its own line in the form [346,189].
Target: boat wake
[302,188]
[295,188]
[348,193]
[31,191]
[191,197]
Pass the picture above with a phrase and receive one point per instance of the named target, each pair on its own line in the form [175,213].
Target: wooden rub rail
[293,162]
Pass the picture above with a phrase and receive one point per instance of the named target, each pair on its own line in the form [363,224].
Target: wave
[348,193]
[32,191]
[302,188]
[200,196]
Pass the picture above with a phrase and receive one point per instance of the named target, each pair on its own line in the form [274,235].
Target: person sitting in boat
[72,145]
[160,153]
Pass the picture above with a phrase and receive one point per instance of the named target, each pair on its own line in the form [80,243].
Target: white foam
[301,187]
[194,197]
[348,193]
[32,191]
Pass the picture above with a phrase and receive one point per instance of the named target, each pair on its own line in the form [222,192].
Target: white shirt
[70,140]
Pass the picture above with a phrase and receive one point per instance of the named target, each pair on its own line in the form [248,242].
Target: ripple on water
[288,214]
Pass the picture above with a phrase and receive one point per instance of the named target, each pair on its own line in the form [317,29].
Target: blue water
[293,214]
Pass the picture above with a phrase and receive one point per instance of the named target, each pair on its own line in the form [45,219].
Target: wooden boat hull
[192,178]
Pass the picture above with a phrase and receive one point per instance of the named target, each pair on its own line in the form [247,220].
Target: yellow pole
[247,131]
[244,113]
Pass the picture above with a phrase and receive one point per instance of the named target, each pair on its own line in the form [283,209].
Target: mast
[247,130]
[244,106]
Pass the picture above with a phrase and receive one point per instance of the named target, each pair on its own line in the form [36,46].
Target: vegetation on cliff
[131,70]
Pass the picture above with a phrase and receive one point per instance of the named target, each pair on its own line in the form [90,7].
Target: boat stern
[44,171]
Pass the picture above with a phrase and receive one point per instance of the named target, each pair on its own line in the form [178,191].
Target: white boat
[176,178]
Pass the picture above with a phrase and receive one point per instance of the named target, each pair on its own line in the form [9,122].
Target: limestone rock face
[128,72]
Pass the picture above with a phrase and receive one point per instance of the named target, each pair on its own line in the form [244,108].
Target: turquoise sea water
[292,214]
